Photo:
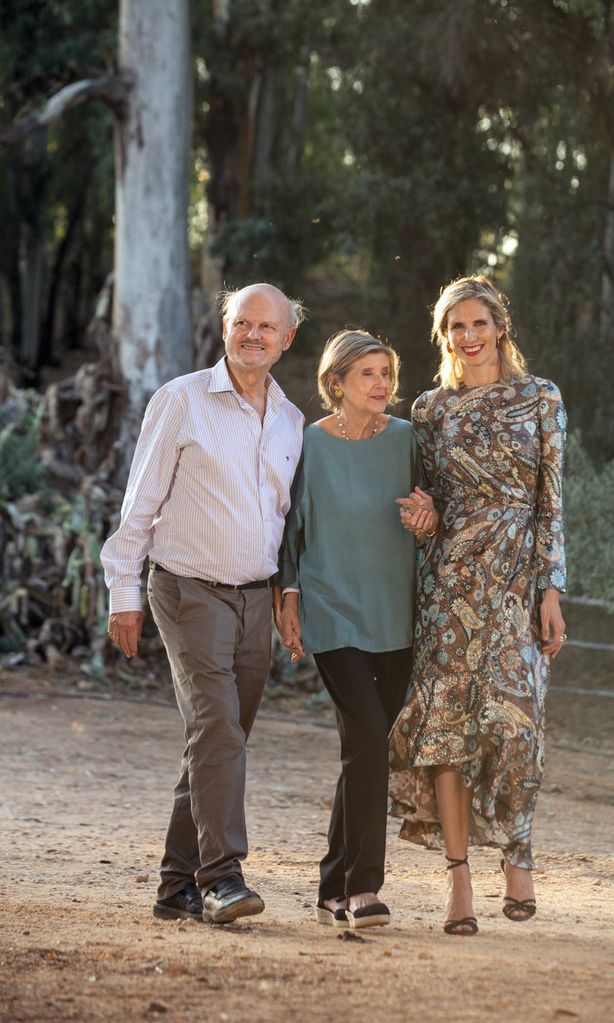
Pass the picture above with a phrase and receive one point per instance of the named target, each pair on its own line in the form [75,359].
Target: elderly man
[207,494]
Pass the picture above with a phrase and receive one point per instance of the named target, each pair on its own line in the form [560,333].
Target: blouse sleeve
[550,539]
[417,468]
[292,544]
[425,435]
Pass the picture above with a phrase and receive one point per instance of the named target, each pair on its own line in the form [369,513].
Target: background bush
[589,500]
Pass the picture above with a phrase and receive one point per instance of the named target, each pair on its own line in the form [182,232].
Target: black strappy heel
[526,907]
[452,926]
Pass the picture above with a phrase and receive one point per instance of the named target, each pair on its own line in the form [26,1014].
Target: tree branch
[111,89]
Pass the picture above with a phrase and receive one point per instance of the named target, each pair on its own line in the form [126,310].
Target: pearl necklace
[344,433]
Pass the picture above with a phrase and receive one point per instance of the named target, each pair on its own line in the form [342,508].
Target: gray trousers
[218,643]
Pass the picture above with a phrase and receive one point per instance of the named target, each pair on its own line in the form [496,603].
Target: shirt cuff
[126,599]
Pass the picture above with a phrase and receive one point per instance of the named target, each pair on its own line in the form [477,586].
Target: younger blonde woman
[468,749]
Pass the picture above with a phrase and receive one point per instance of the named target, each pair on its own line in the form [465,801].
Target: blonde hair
[340,353]
[512,362]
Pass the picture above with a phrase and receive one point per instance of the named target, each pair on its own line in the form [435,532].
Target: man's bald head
[290,308]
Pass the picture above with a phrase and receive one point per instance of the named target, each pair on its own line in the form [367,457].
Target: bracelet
[431,534]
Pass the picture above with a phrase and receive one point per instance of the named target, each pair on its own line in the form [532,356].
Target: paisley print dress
[493,460]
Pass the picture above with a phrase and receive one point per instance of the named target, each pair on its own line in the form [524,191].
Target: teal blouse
[344,546]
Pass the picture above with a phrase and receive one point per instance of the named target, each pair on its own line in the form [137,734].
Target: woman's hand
[553,625]
[418,513]
[290,631]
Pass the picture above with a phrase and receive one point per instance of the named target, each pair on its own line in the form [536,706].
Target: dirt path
[85,789]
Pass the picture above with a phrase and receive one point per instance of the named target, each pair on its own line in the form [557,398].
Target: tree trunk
[32,253]
[296,146]
[607,276]
[31,274]
[262,119]
[45,353]
[151,315]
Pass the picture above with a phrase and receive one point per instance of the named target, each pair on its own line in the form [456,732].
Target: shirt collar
[220,381]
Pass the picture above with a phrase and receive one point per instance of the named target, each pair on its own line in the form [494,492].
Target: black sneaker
[229,899]
[184,905]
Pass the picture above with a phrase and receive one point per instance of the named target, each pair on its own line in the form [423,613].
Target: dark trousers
[367,690]
[218,643]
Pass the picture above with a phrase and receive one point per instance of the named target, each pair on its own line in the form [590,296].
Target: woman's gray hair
[340,353]
[226,300]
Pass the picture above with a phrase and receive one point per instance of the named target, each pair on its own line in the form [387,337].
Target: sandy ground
[85,787]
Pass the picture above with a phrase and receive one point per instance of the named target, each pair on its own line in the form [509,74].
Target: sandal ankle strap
[452,863]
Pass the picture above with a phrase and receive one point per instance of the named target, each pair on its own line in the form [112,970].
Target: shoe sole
[367,921]
[327,917]
[166,913]
[243,907]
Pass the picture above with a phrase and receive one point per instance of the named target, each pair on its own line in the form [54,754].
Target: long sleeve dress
[493,460]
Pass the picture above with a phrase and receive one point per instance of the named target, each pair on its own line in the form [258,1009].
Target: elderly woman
[348,577]
[468,749]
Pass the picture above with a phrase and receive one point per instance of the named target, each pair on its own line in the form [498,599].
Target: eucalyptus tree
[266,132]
[149,94]
[54,204]
[554,101]
[481,138]
[427,190]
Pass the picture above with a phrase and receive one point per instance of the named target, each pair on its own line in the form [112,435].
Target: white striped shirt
[209,486]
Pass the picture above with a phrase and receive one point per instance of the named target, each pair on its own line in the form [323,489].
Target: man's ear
[289,338]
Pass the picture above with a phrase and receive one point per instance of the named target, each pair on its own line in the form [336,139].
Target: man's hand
[125,629]
[277,601]
[553,625]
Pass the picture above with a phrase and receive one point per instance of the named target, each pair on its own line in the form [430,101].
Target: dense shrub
[589,501]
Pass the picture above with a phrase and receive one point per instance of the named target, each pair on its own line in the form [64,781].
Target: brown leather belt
[259,584]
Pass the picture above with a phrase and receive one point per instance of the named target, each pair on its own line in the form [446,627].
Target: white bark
[151,315]
[112,89]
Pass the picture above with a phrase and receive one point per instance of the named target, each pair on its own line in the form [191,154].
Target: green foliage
[416,140]
[557,129]
[596,12]
[21,470]
[57,187]
[293,233]
[45,44]
[270,121]
[589,499]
